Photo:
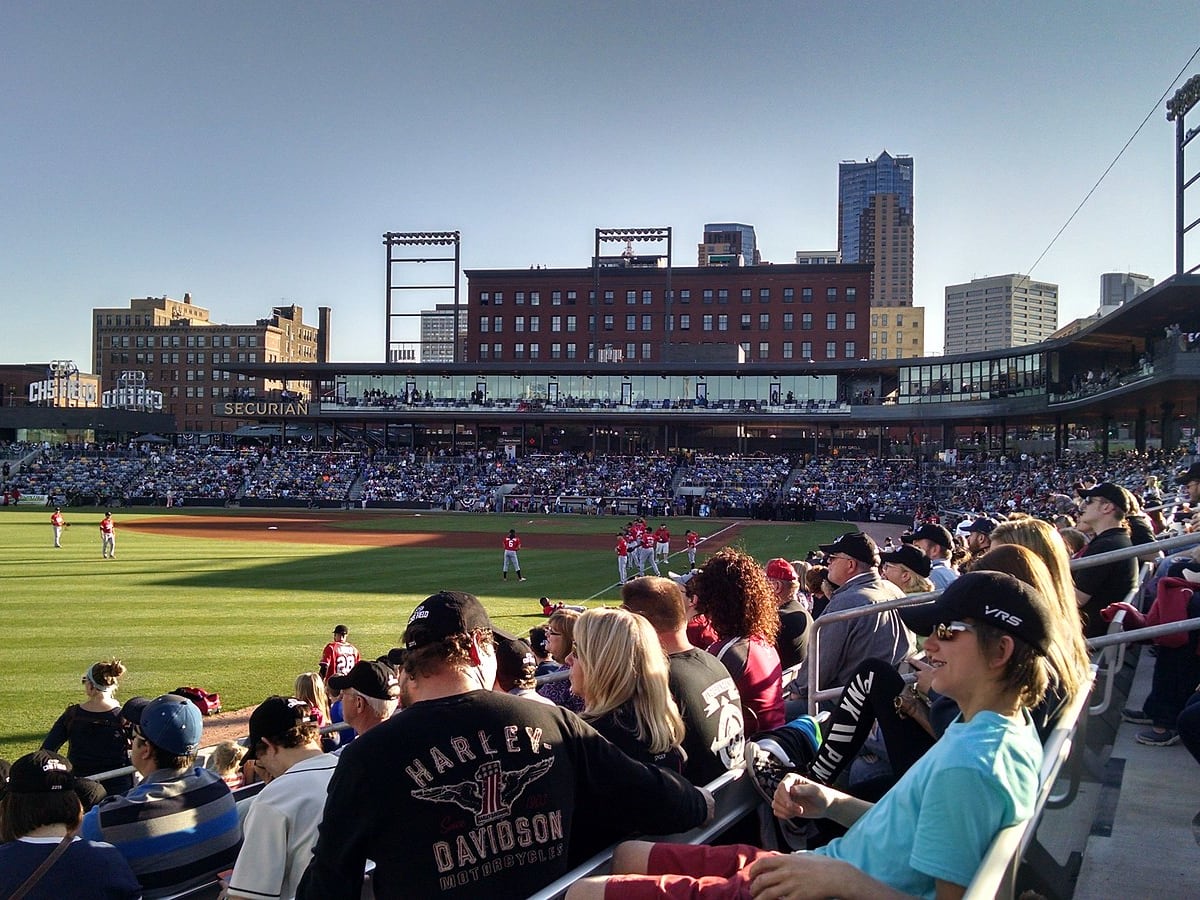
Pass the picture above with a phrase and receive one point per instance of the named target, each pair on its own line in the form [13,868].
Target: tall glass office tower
[875,223]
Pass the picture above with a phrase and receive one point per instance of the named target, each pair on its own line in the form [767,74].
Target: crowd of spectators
[302,474]
[738,482]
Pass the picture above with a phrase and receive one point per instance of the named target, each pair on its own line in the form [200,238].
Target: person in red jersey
[512,546]
[693,540]
[108,537]
[339,655]
[57,523]
[662,542]
[622,550]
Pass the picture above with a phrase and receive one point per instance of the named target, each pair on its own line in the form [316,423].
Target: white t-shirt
[280,830]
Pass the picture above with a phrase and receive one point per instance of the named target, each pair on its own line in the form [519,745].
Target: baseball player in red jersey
[646,553]
[622,549]
[108,537]
[339,655]
[512,545]
[662,541]
[692,540]
[57,522]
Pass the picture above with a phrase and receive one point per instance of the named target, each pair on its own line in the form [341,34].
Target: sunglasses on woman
[949,631]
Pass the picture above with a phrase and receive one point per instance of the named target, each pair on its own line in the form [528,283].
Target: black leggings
[868,698]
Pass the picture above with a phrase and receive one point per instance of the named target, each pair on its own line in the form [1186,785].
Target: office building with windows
[897,332]
[182,353]
[728,244]
[875,224]
[1117,288]
[999,312]
[437,332]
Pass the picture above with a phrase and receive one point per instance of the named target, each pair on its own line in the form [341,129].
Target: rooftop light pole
[1177,108]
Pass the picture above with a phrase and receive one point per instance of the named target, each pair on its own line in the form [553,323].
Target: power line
[1153,110]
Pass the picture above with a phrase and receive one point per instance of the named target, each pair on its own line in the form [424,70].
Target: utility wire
[1153,110]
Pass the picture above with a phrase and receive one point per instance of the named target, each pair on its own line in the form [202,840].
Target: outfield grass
[244,618]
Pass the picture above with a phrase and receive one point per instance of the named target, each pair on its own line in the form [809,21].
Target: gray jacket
[845,645]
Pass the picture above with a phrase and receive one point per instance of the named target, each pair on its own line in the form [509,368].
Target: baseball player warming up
[512,545]
[57,523]
[108,537]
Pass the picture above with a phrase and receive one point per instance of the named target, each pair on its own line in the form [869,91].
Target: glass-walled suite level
[690,391]
[1010,376]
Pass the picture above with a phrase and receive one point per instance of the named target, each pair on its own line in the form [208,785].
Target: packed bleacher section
[178,473]
[578,482]
[463,482]
[737,482]
[290,474]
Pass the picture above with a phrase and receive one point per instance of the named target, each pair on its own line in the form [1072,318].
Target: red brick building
[651,314]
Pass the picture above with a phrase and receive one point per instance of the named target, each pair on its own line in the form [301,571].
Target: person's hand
[796,796]
[1133,616]
[795,876]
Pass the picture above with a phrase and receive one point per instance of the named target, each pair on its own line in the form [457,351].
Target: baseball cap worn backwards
[370,678]
[40,772]
[996,598]
[276,716]
[856,545]
[173,723]
[442,615]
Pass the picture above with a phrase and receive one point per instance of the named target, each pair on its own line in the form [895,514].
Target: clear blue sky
[254,153]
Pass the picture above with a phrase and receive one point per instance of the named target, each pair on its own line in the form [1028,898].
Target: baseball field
[242,601]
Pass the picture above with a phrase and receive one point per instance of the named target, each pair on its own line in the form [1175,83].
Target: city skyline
[254,159]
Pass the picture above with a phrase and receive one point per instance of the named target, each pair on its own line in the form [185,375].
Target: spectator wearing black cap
[853,561]
[370,693]
[281,826]
[40,811]
[1103,515]
[179,826]
[937,543]
[515,670]
[446,794]
[907,568]
[979,538]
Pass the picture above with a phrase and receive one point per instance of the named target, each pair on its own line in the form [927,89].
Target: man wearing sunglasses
[180,824]
[1103,514]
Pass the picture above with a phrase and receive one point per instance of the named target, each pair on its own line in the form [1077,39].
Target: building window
[631,351]
[647,323]
[497,324]
[571,298]
[556,323]
[806,295]
[708,295]
[556,351]
[851,321]
[851,294]
[484,324]
[745,321]
[883,337]
[722,322]
[570,351]
[806,322]
[707,322]
[685,322]
[645,351]
[535,351]
[899,319]
[789,295]
[764,321]
[745,346]
[831,321]
[806,350]
[519,298]
[764,295]
[535,324]
[722,295]
[789,321]
[787,349]
[631,323]
[874,339]
[745,295]
[850,352]
[764,349]
[608,323]
[519,324]
[685,296]
[556,298]
[883,320]
[831,349]
[630,298]
[571,322]
[608,298]
[483,351]
[831,295]
[535,298]
[647,298]
[518,351]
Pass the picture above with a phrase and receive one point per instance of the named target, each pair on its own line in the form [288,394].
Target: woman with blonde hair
[907,568]
[1044,540]
[560,640]
[311,687]
[619,669]
[94,729]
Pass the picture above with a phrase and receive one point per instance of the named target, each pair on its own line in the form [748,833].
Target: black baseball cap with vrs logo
[995,598]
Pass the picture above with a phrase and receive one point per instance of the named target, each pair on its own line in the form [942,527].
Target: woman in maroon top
[733,592]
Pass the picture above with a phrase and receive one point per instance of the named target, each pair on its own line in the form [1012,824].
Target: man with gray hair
[370,693]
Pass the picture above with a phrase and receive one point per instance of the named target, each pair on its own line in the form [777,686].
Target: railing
[1111,659]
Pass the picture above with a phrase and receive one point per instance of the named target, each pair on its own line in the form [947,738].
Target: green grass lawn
[244,618]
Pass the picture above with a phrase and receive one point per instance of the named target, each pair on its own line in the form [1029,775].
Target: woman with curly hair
[733,592]
[619,669]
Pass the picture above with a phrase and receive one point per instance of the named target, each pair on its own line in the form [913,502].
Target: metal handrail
[1165,544]
[1113,658]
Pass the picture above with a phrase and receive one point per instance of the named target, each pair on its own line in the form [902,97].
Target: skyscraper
[999,312]
[728,244]
[875,224]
